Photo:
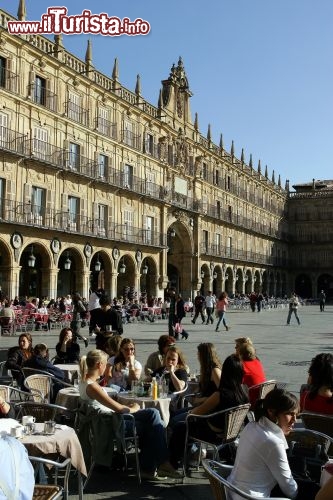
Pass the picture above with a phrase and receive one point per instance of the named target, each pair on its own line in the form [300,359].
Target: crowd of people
[261,464]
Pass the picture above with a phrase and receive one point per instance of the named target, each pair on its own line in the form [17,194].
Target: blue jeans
[296,316]
[221,318]
[152,438]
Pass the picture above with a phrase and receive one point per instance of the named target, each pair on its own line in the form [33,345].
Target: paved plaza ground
[286,352]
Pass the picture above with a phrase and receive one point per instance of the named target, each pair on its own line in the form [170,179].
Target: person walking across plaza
[199,303]
[210,303]
[293,306]
[322,300]
[221,307]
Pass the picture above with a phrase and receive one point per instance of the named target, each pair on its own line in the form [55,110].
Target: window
[128,133]
[74,111]
[73,212]
[40,91]
[204,201]
[128,224]
[217,177]
[228,186]
[150,182]
[2,194]
[103,121]
[149,230]
[74,156]
[38,197]
[218,245]
[128,176]
[230,213]
[102,211]
[40,143]
[229,247]
[204,171]
[218,209]
[3,129]
[149,144]
[103,162]
[3,67]
[205,241]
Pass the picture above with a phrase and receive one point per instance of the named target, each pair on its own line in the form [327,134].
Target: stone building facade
[100,187]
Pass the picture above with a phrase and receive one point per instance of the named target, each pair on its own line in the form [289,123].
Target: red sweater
[319,404]
[253,372]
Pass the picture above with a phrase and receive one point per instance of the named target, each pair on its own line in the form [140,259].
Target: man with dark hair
[199,303]
[107,318]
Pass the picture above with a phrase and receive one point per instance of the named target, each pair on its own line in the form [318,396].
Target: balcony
[55,220]
[79,164]
[44,152]
[43,97]
[229,253]
[106,127]
[12,141]
[77,113]
[8,80]
[130,139]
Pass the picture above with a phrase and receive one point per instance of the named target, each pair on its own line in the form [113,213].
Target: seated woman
[125,367]
[210,371]
[318,395]
[253,369]
[231,393]
[261,460]
[156,359]
[17,356]
[68,350]
[6,410]
[153,446]
[173,370]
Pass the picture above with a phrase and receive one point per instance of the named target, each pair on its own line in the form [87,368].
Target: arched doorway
[34,274]
[180,259]
[5,283]
[70,269]
[100,272]
[303,286]
[148,272]
[126,278]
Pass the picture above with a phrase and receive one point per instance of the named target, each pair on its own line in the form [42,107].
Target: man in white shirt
[16,472]
[210,303]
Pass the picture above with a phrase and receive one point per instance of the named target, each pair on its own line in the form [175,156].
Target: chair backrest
[41,383]
[41,411]
[318,422]
[217,474]
[48,491]
[263,389]
[177,398]
[234,420]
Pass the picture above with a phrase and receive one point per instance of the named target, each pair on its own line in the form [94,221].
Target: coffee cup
[17,431]
[49,427]
[28,419]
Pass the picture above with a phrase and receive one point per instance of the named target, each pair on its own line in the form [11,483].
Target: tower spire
[138,86]
[196,122]
[209,133]
[115,71]
[22,11]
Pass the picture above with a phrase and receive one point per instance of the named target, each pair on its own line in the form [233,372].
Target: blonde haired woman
[153,446]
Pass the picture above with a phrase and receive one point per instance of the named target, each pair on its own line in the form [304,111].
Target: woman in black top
[231,393]
[68,351]
[174,369]
[18,355]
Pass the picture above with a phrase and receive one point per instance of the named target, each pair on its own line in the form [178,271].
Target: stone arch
[72,279]
[205,279]
[325,282]
[229,280]
[148,280]
[6,263]
[180,259]
[34,281]
[126,281]
[100,278]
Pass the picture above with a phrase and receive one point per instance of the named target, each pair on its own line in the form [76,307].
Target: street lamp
[31,258]
[172,233]
[214,275]
[202,275]
[145,269]
[67,263]
[98,264]
[122,267]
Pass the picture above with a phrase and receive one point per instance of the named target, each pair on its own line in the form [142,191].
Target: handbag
[178,328]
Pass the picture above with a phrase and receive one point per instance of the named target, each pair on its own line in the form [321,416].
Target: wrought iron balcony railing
[12,141]
[77,113]
[43,97]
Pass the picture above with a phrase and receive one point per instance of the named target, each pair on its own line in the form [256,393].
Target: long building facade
[100,187]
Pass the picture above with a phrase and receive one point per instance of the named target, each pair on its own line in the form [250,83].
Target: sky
[261,71]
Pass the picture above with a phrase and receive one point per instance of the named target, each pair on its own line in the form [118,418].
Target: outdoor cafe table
[69,369]
[64,442]
[161,404]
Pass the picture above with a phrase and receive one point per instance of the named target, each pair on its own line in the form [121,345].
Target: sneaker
[86,342]
[216,329]
[170,472]
[227,328]
[192,321]
[152,476]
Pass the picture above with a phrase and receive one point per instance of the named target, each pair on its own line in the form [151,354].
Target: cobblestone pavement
[286,352]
